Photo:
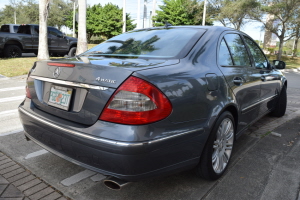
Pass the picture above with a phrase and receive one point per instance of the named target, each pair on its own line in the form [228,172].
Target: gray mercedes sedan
[152,102]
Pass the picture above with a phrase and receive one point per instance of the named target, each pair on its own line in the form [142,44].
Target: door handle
[238,81]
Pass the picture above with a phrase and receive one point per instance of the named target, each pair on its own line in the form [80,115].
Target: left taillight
[27,92]
[136,102]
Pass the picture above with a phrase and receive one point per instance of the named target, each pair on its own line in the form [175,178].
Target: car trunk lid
[77,90]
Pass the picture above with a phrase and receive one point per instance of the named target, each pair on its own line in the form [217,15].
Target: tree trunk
[295,48]
[82,40]
[43,53]
[280,48]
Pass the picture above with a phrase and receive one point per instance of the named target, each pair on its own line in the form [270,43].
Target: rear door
[35,37]
[242,78]
[270,81]
[52,40]
[25,36]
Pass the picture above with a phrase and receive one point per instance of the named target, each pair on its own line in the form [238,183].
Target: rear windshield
[5,28]
[156,43]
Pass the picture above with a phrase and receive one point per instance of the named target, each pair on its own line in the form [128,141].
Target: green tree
[27,12]
[104,21]
[284,12]
[234,13]
[180,12]
[57,13]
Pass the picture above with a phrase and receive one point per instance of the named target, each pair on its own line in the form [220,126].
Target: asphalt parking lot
[264,163]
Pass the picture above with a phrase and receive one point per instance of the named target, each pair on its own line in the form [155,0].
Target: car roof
[218,29]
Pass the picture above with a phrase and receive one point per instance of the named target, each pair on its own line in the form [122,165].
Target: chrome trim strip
[122,144]
[259,102]
[69,83]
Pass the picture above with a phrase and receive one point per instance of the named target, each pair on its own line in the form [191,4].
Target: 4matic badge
[105,80]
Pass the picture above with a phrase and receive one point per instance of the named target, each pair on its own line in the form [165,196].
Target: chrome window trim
[266,99]
[69,83]
[121,144]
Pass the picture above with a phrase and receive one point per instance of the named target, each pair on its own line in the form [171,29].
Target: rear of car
[98,110]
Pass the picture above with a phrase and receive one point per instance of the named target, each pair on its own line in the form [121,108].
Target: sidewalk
[16,183]
[269,170]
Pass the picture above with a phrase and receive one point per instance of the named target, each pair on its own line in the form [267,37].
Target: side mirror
[64,35]
[278,64]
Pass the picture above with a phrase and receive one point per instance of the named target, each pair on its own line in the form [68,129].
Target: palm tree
[82,41]
[43,53]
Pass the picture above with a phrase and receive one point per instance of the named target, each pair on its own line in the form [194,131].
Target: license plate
[60,97]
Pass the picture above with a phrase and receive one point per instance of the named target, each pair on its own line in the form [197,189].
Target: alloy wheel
[222,146]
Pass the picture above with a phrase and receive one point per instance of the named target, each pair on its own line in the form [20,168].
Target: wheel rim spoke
[222,146]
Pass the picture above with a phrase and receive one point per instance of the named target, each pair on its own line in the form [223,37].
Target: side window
[238,50]
[55,32]
[224,54]
[258,56]
[16,28]
[36,30]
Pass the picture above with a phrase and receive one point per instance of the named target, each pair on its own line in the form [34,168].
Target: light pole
[153,12]
[204,13]
[124,16]
[139,14]
[74,15]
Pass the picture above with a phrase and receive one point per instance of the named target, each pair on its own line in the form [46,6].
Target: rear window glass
[158,43]
[224,54]
[5,28]
[16,28]
[238,50]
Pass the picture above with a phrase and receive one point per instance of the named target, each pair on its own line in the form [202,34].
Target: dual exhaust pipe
[114,183]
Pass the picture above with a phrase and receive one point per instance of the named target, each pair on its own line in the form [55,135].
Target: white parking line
[77,177]
[2,100]
[35,154]
[8,112]
[11,132]
[12,88]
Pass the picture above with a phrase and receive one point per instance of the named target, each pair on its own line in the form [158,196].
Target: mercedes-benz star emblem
[56,72]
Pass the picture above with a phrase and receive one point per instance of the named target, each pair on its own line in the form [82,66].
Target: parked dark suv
[27,40]
[153,101]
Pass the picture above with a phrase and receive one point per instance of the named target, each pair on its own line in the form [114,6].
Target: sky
[251,28]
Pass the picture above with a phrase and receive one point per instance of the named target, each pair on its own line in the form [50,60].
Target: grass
[291,62]
[19,66]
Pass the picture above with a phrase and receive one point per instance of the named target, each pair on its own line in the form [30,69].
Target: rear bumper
[131,161]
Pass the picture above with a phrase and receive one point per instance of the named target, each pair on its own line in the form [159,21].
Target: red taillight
[136,102]
[61,64]
[27,92]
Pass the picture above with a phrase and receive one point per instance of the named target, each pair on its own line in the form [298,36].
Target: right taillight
[136,102]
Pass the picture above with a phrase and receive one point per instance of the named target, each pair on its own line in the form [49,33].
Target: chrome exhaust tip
[114,183]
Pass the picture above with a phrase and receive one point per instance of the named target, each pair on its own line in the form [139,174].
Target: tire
[280,106]
[72,52]
[218,149]
[12,51]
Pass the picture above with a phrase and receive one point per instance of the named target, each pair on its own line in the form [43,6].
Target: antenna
[167,24]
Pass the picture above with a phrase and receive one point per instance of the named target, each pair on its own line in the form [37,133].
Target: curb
[3,77]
